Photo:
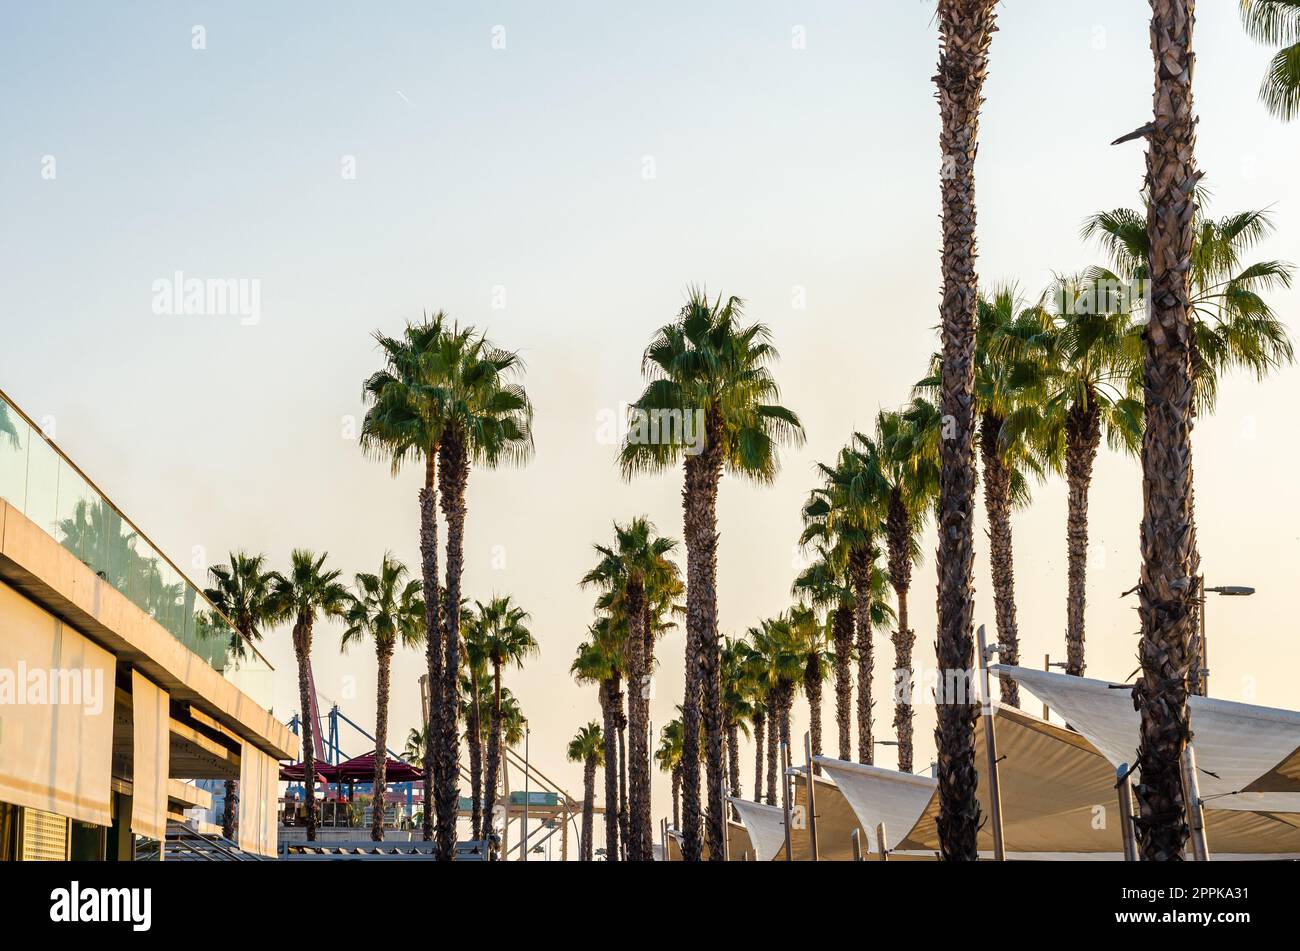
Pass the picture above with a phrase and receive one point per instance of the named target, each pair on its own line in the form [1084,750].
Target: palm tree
[737,689]
[966,29]
[1009,454]
[908,460]
[416,744]
[507,642]
[778,664]
[811,639]
[600,662]
[824,584]
[669,758]
[488,423]
[1277,22]
[1235,328]
[475,660]
[1166,592]
[588,748]
[1076,357]
[387,609]
[242,591]
[634,573]
[710,404]
[405,422]
[299,596]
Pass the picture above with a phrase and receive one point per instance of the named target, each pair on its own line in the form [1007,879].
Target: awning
[765,825]
[150,757]
[738,843]
[879,795]
[361,769]
[56,701]
[836,821]
[1240,748]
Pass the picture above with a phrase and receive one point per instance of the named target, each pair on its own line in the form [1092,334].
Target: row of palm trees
[1053,377]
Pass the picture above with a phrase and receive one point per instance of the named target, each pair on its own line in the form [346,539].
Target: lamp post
[526,772]
[1048,664]
[1228,591]
[886,742]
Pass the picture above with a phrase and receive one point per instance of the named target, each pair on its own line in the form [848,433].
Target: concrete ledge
[43,570]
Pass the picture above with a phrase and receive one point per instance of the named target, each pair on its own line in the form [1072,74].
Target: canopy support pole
[991,747]
[812,797]
[856,842]
[1192,795]
[880,842]
[1124,783]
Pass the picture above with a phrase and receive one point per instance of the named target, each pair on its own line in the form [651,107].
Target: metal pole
[880,842]
[856,841]
[526,771]
[663,839]
[1203,675]
[1192,795]
[812,797]
[785,797]
[726,835]
[991,749]
[1047,667]
[1128,834]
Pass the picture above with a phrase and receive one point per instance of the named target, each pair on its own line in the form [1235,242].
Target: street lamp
[1228,591]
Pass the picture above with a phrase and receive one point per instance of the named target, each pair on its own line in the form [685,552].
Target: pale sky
[562,192]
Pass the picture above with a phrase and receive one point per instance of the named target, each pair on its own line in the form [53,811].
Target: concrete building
[120,683]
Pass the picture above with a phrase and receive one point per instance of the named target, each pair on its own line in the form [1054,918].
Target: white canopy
[881,795]
[765,825]
[1238,745]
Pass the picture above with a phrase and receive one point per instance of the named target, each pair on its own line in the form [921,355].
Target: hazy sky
[562,191]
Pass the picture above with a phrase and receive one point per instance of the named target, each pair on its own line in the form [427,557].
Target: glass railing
[43,484]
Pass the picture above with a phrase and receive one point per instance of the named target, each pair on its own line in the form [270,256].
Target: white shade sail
[1239,746]
[765,825]
[881,795]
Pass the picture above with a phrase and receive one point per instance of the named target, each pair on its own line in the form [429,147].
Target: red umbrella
[361,769]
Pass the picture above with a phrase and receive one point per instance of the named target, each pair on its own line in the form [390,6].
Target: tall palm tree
[634,574]
[242,591]
[824,583]
[508,643]
[710,404]
[910,465]
[1166,591]
[588,748]
[387,609]
[669,758]
[1009,454]
[600,661]
[1234,326]
[1277,22]
[737,708]
[760,719]
[405,421]
[1076,356]
[778,663]
[302,594]
[966,29]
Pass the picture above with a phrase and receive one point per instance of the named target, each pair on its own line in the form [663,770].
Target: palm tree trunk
[773,740]
[474,737]
[1167,588]
[1082,437]
[997,505]
[900,577]
[812,688]
[624,832]
[433,631]
[842,628]
[302,649]
[966,29]
[380,787]
[493,755]
[608,691]
[860,577]
[760,720]
[677,795]
[700,505]
[588,806]
[640,836]
[228,811]
[453,476]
